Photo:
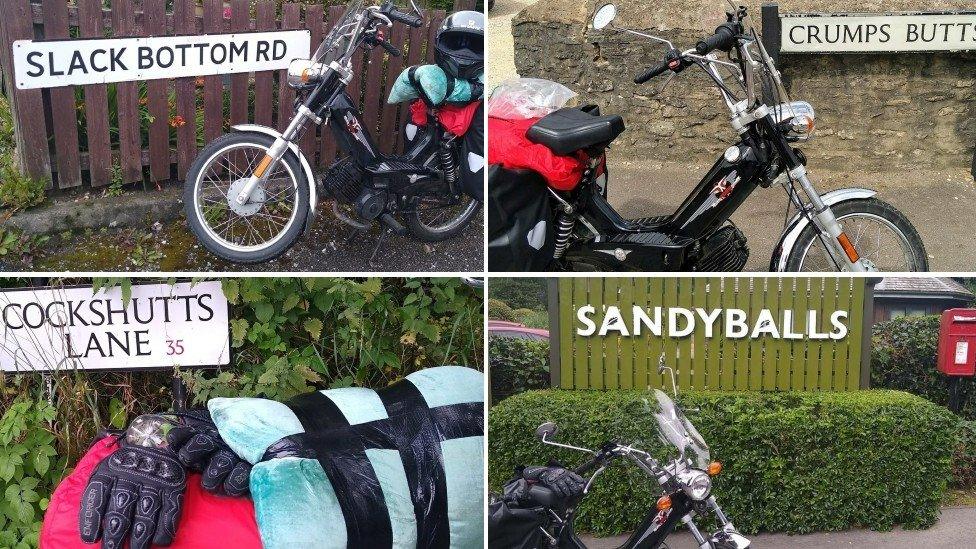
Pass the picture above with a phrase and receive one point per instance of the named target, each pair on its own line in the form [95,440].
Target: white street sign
[52,63]
[162,325]
[864,33]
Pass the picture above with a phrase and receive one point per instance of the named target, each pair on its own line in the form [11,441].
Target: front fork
[838,245]
[276,152]
[726,525]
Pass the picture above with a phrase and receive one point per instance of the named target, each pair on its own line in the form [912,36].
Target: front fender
[306,167]
[788,239]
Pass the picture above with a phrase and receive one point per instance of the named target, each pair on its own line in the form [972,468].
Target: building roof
[922,287]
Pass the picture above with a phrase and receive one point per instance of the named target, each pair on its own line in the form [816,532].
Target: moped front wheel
[880,233]
[261,229]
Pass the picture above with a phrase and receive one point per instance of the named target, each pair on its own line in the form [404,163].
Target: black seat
[569,130]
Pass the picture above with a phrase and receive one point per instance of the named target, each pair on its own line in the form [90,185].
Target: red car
[502,328]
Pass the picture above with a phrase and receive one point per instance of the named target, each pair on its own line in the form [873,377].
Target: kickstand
[353,234]
[379,242]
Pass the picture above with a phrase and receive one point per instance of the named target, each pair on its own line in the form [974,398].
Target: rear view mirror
[546,430]
[603,16]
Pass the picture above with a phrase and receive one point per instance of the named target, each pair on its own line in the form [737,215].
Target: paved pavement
[500,43]
[939,203]
[956,529]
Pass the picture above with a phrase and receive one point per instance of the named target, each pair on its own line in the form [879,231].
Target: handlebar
[723,39]
[672,61]
[390,48]
[406,18]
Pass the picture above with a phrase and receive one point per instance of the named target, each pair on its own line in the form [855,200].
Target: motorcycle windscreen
[472,161]
[208,520]
[521,236]
[355,467]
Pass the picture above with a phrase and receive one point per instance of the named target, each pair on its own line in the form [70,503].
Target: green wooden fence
[614,361]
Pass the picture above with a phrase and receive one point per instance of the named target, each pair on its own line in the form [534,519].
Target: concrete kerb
[133,209]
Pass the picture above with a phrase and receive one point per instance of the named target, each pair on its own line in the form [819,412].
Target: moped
[539,517]
[534,226]
[250,194]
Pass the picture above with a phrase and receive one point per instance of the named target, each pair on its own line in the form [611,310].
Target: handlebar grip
[723,39]
[587,467]
[390,48]
[405,18]
[652,72]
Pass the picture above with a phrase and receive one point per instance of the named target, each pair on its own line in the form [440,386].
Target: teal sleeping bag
[396,467]
[434,82]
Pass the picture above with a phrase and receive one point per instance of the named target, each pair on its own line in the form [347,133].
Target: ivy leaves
[29,467]
[293,335]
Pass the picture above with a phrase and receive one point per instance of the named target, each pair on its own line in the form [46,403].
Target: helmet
[459,47]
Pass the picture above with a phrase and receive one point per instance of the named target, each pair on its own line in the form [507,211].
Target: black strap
[344,460]
[421,92]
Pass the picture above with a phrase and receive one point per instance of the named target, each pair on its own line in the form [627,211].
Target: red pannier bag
[207,520]
[455,118]
[509,148]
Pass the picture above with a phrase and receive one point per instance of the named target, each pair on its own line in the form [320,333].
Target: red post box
[957,343]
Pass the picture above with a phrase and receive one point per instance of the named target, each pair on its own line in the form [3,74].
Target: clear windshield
[337,42]
[675,429]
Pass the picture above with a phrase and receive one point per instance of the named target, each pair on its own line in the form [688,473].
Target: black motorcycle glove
[199,447]
[563,481]
[134,493]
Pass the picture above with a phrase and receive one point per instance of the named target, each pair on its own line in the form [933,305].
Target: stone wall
[878,111]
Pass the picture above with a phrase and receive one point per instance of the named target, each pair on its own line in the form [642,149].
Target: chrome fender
[788,239]
[306,167]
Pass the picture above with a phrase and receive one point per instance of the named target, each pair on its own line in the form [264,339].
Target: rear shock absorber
[448,163]
[564,229]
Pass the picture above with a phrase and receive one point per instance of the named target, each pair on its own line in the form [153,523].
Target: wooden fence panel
[64,114]
[90,25]
[127,100]
[122,127]
[157,100]
[30,129]
[786,354]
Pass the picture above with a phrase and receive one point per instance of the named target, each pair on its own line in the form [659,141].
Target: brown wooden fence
[151,131]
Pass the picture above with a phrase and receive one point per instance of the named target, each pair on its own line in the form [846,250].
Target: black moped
[530,514]
[533,226]
[250,194]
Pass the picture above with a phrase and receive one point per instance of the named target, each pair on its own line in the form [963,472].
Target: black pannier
[520,225]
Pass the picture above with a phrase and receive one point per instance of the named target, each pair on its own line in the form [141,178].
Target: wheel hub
[252,206]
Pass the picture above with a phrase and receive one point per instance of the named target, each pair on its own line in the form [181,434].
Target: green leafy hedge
[517,365]
[793,462]
[903,354]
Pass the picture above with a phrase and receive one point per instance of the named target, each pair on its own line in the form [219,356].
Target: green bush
[499,310]
[19,192]
[517,365]
[793,461]
[520,293]
[964,457]
[903,355]
[532,318]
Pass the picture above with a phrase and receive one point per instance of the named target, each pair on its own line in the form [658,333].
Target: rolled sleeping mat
[432,82]
[356,467]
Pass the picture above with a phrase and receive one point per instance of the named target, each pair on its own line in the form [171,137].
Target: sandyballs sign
[895,32]
[160,326]
[52,63]
[679,322]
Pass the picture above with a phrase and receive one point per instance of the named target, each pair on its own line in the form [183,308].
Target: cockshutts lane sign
[51,63]
[161,325]
[894,32]
[680,322]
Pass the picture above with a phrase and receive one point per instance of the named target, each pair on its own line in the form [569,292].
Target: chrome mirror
[603,16]
[545,430]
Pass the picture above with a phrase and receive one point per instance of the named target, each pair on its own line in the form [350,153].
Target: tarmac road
[500,43]
[939,203]
[956,529]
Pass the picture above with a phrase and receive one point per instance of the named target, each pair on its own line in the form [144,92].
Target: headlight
[304,72]
[696,484]
[800,117]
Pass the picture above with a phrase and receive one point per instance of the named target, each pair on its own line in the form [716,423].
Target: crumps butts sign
[877,32]
[51,63]
[161,325]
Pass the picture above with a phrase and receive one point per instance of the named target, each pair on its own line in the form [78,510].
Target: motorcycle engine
[343,181]
[724,251]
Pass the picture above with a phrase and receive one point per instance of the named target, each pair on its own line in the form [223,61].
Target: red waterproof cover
[455,118]
[510,148]
[207,521]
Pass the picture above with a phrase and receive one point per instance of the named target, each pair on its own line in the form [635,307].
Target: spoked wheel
[879,232]
[264,227]
[438,218]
